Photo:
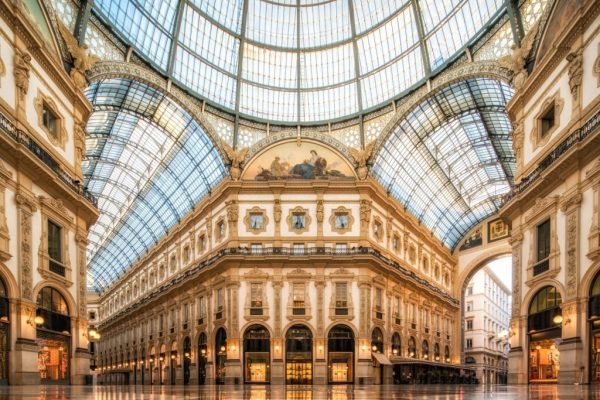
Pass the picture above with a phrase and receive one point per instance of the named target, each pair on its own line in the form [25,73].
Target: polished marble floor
[343,392]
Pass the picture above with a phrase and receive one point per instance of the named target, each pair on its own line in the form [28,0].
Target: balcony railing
[289,252]
[21,137]
[56,267]
[578,136]
[541,266]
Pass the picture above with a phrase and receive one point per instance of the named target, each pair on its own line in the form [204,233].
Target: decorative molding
[544,208]
[291,223]
[536,133]
[247,220]
[320,211]
[341,211]
[60,137]
[541,205]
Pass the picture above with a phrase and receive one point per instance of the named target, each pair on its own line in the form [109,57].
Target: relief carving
[361,158]
[5,176]
[232,211]
[80,149]
[22,66]
[82,59]
[517,59]
[235,158]
[572,254]
[517,141]
[277,211]
[320,211]
[26,206]
[575,60]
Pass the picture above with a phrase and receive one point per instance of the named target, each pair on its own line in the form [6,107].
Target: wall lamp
[38,320]
[558,319]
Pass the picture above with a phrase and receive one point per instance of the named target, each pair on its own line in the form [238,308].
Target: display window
[340,367]
[544,361]
[299,367]
[53,361]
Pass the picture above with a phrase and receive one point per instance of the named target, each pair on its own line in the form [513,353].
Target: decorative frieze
[516,241]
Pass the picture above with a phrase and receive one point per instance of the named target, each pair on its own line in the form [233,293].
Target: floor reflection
[272,392]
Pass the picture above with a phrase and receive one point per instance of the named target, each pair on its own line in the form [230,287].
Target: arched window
[396,344]
[544,309]
[412,347]
[436,352]
[447,353]
[594,306]
[377,341]
[4,314]
[340,348]
[52,307]
[257,359]
[425,349]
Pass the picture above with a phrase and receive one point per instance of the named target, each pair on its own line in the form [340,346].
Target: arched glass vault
[299,61]
[148,162]
[450,160]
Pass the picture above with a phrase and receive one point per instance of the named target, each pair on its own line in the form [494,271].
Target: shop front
[340,354]
[53,337]
[202,358]
[594,326]
[544,325]
[298,357]
[4,334]
[257,355]
[187,359]
[220,356]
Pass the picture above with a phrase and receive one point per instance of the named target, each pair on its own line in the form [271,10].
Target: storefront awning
[381,359]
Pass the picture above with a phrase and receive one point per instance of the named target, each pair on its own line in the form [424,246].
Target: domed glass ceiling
[298,61]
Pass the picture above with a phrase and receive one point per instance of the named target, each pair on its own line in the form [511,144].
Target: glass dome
[299,61]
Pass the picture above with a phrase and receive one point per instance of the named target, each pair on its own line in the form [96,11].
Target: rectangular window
[256,221]
[219,304]
[50,120]
[470,306]
[547,120]
[298,220]
[256,299]
[341,296]
[298,295]
[161,323]
[201,309]
[378,299]
[470,291]
[341,221]
[173,318]
[469,324]
[256,296]
[54,241]
[186,313]
[469,343]
[543,240]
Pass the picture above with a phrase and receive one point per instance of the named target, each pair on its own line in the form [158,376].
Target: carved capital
[572,201]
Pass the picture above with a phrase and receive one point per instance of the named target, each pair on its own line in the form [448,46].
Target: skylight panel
[324,24]
[268,103]
[270,67]
[387,42]
[327,104]
[272,24]
[327,67]
[227,13]
[370,13]
[209,42]
[395,78]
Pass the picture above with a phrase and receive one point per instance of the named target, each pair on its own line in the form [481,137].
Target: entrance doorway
[298,356]
[544,324]
[221,356]
[340,354]
[202,358]
[257,355]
